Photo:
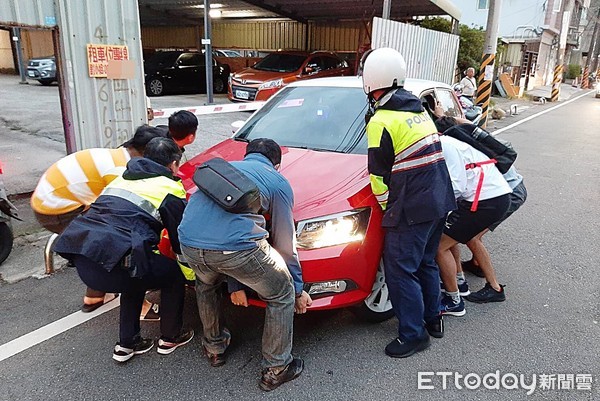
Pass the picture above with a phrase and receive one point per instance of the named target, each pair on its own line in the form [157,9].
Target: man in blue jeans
[217,243]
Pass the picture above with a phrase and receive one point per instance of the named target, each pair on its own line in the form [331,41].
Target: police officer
[114,246]
[410,180]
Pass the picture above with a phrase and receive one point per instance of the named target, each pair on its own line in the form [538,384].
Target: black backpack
[481,140]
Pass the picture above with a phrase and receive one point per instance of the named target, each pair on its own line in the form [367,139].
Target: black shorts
[517,198]
[463,224]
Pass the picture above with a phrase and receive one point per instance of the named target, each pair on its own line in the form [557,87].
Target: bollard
[585,78]
[49,255]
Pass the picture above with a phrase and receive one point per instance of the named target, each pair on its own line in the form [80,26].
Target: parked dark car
[42,69]
[178,71]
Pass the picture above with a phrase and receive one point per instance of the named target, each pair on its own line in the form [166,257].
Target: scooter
[7,211]
[470,110]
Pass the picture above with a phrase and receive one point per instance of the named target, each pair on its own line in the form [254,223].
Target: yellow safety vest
[409,132]
[148,194]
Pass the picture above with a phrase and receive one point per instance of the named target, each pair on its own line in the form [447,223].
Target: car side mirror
[236,125]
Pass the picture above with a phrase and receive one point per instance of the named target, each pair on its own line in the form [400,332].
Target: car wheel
[219,85]
[377,307]
[6,241]
[156,87]
[46,82]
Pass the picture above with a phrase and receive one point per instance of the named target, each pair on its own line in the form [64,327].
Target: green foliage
[472,40]
[573,71]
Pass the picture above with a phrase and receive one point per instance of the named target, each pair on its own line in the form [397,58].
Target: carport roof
[191,12]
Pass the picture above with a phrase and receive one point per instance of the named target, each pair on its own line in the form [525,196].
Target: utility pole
[562,46]
[208,53]
[486,70]
[387,8]
[592,58]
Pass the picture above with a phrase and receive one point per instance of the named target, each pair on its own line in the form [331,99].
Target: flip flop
[87,308]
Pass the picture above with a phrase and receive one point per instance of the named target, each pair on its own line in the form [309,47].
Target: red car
[278,69]
[320,126]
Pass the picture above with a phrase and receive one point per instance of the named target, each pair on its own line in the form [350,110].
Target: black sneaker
[271,380]
[400,349]
[166,346]
[469,266]
[435,327]
[487,294]
[123,354]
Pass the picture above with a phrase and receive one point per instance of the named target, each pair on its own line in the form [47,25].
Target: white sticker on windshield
[291,103]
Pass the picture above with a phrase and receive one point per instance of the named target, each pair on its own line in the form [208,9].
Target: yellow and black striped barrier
[556,83]
[585,79]
[484,87]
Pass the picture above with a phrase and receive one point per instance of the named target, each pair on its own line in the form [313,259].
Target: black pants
[166,275]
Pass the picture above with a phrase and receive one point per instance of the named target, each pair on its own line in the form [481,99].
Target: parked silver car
[42,69]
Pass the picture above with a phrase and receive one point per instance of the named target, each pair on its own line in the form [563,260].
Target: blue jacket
[206,225]
[114,227]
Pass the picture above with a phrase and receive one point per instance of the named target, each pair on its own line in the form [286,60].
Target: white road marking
[48,331]
[538,114]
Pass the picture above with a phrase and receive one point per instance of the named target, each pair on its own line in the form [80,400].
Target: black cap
[144,134]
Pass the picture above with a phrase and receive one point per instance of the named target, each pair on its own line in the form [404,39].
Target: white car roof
[416,86]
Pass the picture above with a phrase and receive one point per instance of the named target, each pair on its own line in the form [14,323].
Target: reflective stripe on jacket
[408,174]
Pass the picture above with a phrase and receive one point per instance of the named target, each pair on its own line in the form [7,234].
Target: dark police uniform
[411,182]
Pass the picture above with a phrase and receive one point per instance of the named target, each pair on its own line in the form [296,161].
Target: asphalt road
[546,254]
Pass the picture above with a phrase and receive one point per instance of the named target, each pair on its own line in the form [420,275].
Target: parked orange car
[278,69]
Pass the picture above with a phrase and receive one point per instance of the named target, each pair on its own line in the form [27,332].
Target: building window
[482,4]
[556,6]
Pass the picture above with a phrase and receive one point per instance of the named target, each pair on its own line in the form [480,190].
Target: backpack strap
[480,182]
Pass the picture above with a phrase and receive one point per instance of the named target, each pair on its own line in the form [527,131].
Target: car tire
[156,87]
[6,241]
[377,307]
[46,82]
[219,85]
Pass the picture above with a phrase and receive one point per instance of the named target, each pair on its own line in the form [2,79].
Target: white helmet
[383,68]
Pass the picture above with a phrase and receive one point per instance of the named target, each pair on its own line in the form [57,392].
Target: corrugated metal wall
[39,13]
[260,35]
[338,37]
[428,54]
[513,54]
[104,112]
[263,35]
[169,37]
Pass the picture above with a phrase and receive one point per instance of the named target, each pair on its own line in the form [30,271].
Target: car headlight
[336,229]
[277,83]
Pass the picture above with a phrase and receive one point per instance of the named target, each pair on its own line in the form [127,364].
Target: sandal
[87,308]
[152,315]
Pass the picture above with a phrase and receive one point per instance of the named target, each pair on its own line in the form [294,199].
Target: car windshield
[317,118]
[280,62]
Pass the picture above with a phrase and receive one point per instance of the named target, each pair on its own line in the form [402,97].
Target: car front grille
[251,92]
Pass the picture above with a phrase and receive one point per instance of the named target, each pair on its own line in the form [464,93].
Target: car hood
[323,182]
[252,75]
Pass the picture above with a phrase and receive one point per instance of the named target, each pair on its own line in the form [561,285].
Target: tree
[470,48]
